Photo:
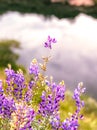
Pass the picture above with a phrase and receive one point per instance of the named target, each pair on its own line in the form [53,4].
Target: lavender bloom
[48,43]
[23,117]
[8,107]
[28,95]
[1,97]
[17,86]
[31,84]
[49,106]
[34,68]
[55,122]
[60,92]
[15,82]
[18,79]
[7,104]
[9,74]
[29,117]
[77,93]
[1,89]
[72,122]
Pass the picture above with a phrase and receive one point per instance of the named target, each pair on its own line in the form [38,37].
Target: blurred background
[25,26]
[72,22]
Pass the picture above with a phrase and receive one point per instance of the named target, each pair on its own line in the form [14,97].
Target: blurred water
[74,57]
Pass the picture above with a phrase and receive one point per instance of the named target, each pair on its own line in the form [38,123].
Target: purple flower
[15,82]
[49,105]
[77,93]
[9,74]
[55,122]
[34,68]
[48,43]
[7,106]
[16,85]
[72,122]
[1,89]
[49,109]
[29,117]
[28,95]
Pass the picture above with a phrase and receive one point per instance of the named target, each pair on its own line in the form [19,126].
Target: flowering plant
[34,104]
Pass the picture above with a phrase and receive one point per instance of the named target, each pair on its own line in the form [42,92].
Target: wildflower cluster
[18,98]
[72,122]
[49,42]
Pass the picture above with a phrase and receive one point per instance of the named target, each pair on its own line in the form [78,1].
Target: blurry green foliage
[95,1]
[45,7]
[7,56]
